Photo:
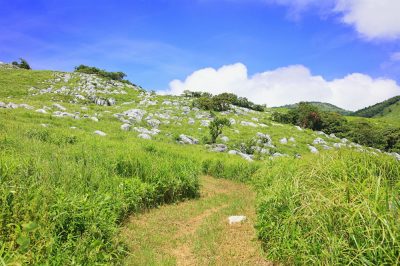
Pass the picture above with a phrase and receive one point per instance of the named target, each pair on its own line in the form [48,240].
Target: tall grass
[342,208]
[63,196]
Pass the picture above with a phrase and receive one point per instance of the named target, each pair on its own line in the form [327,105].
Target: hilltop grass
[340,209]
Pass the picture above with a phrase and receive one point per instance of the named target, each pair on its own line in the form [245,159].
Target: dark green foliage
[362,132]
[22,64]
[334,123]
[376,109]
[221,102]
[304,115]
[119,76]
[216,127]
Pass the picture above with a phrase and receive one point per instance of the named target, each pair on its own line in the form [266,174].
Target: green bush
[22,64]
[216,127]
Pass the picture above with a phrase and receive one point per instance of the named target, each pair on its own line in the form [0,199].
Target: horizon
[275,52]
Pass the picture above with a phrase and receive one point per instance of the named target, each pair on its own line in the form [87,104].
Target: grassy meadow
[66,193]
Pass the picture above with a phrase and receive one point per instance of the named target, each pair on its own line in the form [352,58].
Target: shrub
[119,76]
[22,64]
[216,127]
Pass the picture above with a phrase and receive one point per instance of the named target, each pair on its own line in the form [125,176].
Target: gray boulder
[219,148]
[125,127]
[188,139]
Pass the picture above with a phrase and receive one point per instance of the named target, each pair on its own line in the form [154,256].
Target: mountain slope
[322,106]
[379,109]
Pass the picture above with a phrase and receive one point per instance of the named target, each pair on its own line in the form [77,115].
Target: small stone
[236,219]
[144,136]
[125,127]
[100,133]
[41,111]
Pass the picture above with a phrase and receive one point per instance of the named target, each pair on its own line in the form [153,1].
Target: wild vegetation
[119,76]
[326,107]
[21,64]
[377,109]
[363,132]
[341,208]
[73,171]
[221,102]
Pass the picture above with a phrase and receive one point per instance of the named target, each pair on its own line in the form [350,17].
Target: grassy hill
[322,106]
[79,154]
[391,112]
[380,109]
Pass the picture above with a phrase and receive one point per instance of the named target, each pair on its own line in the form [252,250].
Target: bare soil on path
[197,232]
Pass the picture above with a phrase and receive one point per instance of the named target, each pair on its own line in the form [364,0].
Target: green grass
[65,193]
[340,209]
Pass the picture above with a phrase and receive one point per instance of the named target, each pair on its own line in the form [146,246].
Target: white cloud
[373,19]
[288,85]
[395,56]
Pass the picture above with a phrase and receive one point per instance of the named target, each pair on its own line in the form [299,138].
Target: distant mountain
[327,107]
[387,108]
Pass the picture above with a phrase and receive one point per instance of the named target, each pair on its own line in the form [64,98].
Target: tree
[333,123]
[216,127]
[308,116]
[22,64]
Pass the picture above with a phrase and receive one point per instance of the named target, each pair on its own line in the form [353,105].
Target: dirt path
[197,232]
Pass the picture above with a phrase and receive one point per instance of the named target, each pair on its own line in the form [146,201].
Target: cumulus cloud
[288,85]
[373,19]
[395,56]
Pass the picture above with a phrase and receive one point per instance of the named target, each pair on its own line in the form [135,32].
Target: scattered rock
[59,107]
[41,111]
[191,121]
[100,133]
[248,124]
[187,139]
[319,141]
[205,123]
[154,123]
[236,219]
[313,149]
[283,141]
[225,139]
[219,148]
[144,136]
[125,127]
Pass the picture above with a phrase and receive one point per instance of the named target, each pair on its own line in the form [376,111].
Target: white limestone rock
[236,219]
[283,141]
[100,133]
[144,136]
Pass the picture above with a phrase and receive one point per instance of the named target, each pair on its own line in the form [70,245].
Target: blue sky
[157,41]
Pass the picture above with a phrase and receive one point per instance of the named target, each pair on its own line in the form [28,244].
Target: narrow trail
[197,232]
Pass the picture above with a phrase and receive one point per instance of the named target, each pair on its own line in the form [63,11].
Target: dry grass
[197,232]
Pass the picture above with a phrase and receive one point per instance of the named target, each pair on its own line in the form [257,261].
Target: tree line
[360,131]
[220,102]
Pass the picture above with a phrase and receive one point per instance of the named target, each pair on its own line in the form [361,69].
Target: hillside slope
[79,154]
[322,106]
[379,109]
